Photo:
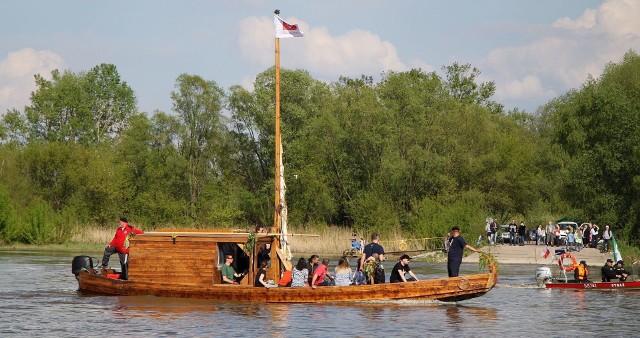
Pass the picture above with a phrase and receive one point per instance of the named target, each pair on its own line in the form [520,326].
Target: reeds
[328,240]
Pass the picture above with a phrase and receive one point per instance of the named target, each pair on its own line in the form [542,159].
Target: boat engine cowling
[81,262]
[543,275]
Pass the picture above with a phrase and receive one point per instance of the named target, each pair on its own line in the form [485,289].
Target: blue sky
[532,50]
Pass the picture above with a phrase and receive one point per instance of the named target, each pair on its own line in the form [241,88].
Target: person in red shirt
[120,244]
[320,273]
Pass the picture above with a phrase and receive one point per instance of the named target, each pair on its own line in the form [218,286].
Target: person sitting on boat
[312,265]
[456,249]
[342,276]
[120,244]
[229,274]
[400,269]
[608,273]
[620,271]
[300,274]
[259,281]
[581,273]
[321,276]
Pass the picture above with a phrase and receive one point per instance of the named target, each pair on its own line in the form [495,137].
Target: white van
[563,228]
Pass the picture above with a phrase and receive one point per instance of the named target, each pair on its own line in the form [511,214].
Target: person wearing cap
[608,273]
[619,269]
[581,273]
[456,249]
[120,244]
[400,269]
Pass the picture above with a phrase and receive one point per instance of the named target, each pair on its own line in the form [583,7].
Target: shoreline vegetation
[329,241]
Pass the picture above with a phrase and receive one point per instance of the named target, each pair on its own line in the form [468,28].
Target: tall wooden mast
[278,143]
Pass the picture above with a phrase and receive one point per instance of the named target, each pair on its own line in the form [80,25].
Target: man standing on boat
[372,248]
[456,249]
[369,251]
[120,244]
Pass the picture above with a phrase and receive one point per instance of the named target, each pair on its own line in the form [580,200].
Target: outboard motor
[543,274]
[81,263]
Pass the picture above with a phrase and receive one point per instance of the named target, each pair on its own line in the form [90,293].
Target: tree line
[414,152]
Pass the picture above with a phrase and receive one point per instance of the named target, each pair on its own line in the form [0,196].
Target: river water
[38,297]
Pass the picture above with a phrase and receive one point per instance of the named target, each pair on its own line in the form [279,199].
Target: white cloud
[586,21]
[572,50]
[354,53]
[16,75]
[528,87]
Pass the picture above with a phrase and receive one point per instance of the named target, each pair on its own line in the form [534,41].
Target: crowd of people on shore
[587,235]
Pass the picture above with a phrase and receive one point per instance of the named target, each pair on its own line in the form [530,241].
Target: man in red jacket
[120,244]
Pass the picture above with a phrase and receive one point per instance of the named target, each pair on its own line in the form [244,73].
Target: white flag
[286,30]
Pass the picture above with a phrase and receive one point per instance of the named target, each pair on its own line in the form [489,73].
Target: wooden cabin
[195,257]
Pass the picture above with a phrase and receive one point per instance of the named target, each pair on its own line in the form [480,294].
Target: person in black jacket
[456,248]
[619,269]
[608,273]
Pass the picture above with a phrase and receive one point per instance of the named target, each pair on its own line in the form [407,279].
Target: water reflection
[453,316]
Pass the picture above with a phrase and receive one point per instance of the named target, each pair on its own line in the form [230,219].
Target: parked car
[563,229]
[503,234]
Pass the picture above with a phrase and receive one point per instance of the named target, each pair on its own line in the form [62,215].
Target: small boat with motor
[545,278]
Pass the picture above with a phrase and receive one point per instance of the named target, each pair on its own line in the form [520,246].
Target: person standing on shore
[456,250]
[549,234]
[120,244]
[513,229]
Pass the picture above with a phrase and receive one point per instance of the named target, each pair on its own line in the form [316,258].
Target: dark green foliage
[415,153]
[598,128]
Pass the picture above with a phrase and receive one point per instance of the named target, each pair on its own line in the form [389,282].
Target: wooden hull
[596,286]
[443,289]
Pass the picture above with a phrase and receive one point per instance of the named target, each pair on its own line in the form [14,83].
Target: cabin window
[241,259]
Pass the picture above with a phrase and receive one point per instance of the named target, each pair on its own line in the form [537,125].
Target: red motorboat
[596,286]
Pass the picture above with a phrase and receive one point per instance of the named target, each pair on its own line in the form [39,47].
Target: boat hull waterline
[635,285]
[443,289]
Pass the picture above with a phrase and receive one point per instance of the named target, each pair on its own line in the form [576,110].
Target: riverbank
[532,254]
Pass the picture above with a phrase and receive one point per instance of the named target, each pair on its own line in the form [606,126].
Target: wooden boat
[635,285]
[187,264]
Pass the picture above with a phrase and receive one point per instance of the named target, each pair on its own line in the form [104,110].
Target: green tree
[198,104]
[597,127]
[81,108]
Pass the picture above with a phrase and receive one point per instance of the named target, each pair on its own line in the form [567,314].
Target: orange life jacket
[583,273]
